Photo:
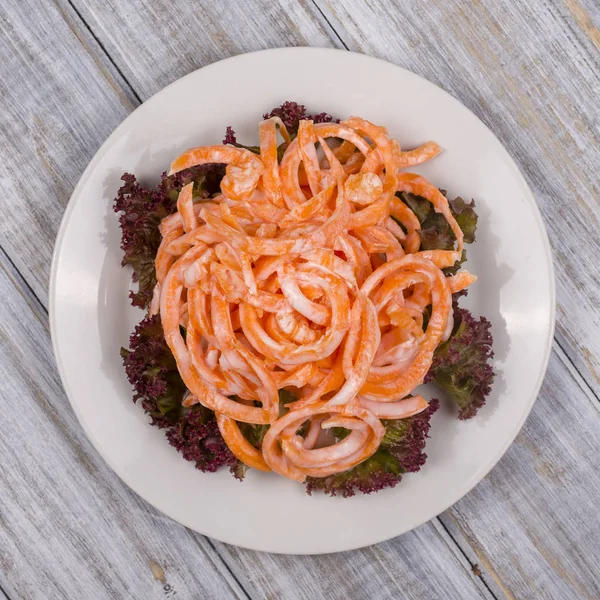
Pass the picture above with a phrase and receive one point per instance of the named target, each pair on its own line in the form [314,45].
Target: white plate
[91,319]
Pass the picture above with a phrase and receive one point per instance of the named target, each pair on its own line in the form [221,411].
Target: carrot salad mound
[297,294]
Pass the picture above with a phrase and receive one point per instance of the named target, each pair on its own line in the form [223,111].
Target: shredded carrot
[306,275]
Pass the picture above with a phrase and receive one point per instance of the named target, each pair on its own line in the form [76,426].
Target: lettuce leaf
[152,371]
[461,366]
[401,451]
[435,233]
[140,212]
[231,139]
[197,437]
[466,217]
[291,113]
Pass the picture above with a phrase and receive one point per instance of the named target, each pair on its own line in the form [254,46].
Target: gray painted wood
[530,68]
[63,22]
[531,71]
[64,512]
[59,101]
[415,566]
[156,42]
[62,95]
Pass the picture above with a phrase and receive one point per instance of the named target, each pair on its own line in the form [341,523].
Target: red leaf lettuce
[461,365]
[141,210]
[401,451]
[152,371]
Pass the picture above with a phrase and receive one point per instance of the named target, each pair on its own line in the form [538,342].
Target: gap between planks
[237,579]
[336,27]
[104,52]
[342,40]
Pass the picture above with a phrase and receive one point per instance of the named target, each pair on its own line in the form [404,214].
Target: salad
[297,293]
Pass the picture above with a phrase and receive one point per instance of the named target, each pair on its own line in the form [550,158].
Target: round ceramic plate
[91,318]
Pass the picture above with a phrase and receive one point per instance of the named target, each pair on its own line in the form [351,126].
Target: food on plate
[297,294]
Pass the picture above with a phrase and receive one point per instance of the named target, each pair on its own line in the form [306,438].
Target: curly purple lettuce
[290,113]
[140,212]
[401,451]
[197,437]
[461,366]
[152,371]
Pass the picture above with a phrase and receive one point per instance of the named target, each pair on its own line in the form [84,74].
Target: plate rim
[516,173]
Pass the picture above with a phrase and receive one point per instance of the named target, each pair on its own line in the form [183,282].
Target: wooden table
[71,70]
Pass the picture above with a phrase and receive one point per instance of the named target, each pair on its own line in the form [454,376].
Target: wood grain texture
[156,42]
[454,571]
[62,95]
[531,71]
[69,528]
[415,566]
[49,116]
[59,103]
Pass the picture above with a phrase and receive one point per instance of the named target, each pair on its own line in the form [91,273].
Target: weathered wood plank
[533,522]
[59,102]
[531,71]
[69,528]
[62,95]
[419,565]
[163,41]
[454,573]
[166,33]
[403,34]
